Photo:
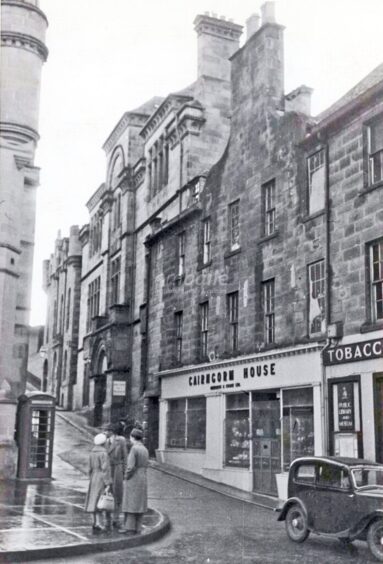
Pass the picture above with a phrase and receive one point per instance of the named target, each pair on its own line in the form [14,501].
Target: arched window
[61,320]
[68,309]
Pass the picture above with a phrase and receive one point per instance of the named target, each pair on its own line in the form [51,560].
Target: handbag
[106,501]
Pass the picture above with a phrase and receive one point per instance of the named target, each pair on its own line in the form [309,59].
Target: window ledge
[232,253]
[179,279]
[307,217]
[371,326]
[266,238]
[203,265]
[370,188]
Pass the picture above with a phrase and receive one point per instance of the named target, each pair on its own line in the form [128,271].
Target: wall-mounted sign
[119,388]
[346,406]
[354,352]
[223,379]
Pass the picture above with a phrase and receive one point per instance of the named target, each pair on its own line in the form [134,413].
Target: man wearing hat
[116,449]
[135,497]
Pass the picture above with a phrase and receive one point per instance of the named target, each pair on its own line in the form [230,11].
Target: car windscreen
[368,477]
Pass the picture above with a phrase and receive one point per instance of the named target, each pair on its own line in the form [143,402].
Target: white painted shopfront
[241,421]
[354,374]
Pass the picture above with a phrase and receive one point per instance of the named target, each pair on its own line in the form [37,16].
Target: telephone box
[35,431]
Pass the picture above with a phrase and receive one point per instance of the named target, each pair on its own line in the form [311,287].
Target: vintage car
[337,497]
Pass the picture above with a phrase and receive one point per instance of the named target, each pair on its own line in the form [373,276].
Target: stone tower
[23,53]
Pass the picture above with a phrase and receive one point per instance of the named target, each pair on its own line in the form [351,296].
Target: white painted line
[60,501]
[54,526]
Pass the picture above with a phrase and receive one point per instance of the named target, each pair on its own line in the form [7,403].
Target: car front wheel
[296,524]
[375,539]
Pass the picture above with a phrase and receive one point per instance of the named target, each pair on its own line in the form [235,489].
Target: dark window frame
[232,305]
[204,328]
[178,323]
[269,207]
[322,301]
[234,225]
[268,310]
[310,171]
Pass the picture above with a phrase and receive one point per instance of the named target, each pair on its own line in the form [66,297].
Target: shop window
[181,255]
[204,320]
[178,318]
[376,280]
[298,424]
[206,245]
[317,285]
[186,423]
[237,430]
[268,311]
[268,191]
[375,152]
[234,225]
[115,280]
[196,423]
[232,314]
[316,181]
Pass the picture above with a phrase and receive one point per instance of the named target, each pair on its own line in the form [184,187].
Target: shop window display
[298,424]
[186,423]
[237,430]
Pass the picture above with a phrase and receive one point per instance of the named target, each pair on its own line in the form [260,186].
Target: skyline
[89,81]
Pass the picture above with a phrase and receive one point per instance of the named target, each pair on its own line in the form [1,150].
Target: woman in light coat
[100,479]
[116,449]
[135,498]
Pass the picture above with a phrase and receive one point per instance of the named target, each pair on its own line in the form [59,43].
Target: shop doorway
[100,390]
[266,430]
[378,395]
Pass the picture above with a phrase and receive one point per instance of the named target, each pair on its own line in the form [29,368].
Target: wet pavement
[46,518]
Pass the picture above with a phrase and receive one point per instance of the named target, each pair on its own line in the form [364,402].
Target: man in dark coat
[116,449]
[135,497]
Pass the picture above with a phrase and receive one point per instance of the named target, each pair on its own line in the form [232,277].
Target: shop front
[242,421]
[354,375]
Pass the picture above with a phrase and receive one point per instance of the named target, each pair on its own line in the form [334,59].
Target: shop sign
[354,352]
[346,406]
[226,379]
[119,388]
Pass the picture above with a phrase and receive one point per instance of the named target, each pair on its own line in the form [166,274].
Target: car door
[334,511]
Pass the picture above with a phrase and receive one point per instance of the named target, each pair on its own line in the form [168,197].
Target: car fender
[291,501]
[364,523]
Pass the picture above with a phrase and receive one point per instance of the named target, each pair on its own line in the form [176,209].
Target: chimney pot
[252,25]
[268,12]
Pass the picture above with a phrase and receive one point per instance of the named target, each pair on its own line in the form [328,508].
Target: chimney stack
[268,13]
[299,100]
[218,39]
[253,23]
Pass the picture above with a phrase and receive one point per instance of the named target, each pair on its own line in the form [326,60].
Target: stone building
[23,53]
[62,284]
[157,156]
[231,292]
[266,330]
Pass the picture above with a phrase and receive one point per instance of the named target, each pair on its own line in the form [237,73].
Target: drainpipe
[325,412]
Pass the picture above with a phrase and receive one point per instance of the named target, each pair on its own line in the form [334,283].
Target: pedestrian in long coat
[100,479]
[116,449]
[135,498]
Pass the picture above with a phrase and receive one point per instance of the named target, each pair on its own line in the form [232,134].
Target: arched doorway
[100,389]
[44,383]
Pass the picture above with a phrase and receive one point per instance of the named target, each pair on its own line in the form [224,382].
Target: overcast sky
[109,56]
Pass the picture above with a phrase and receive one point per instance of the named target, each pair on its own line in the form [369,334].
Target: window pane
[316,181]
[237,431]
[176,424]
[298,433]
[196,423]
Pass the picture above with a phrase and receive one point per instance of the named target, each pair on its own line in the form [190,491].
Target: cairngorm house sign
[365,350]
